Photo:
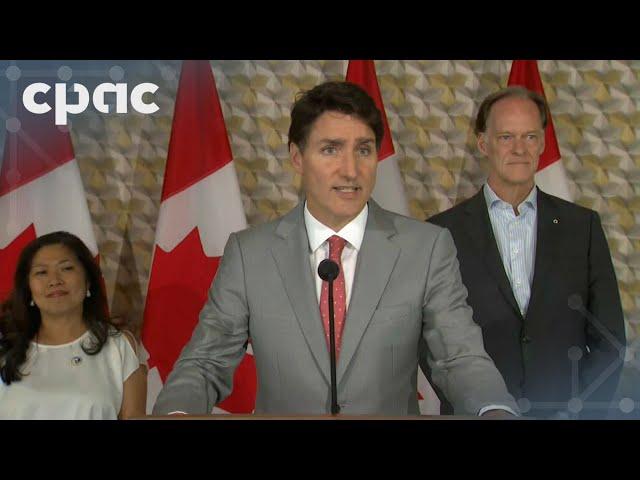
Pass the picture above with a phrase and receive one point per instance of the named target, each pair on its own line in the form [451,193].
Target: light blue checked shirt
[516,238]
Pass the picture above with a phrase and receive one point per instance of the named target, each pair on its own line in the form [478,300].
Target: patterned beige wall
[430,106]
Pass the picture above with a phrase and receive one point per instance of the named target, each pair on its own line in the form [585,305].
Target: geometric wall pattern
[430,106]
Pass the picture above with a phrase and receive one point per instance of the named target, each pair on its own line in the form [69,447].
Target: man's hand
[498,414]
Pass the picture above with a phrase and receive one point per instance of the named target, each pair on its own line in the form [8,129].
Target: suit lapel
[482,236]
[291,254]
[547,240]
[376,260]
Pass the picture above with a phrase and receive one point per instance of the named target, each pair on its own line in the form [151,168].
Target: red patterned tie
[336,245]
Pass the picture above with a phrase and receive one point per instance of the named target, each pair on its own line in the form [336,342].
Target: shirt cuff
[497,407]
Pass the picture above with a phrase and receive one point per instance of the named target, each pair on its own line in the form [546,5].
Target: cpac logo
[62,107]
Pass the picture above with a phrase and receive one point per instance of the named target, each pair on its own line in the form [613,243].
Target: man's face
[513,142]
[338,167]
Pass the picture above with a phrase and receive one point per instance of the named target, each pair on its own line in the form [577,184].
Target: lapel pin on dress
[555,220]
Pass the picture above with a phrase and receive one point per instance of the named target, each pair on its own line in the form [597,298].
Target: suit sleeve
[203,374]
[455,353]
[605,322]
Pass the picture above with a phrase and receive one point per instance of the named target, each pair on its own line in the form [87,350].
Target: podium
[325,417]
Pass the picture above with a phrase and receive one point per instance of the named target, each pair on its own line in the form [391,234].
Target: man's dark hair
[343,97]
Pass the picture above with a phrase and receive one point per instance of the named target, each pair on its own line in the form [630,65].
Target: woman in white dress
[60,356]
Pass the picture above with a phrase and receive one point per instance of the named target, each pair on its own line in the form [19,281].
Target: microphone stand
[328,270]
[335,409]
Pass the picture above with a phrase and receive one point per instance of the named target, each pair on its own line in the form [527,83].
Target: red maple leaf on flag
[184,273]
[9,259]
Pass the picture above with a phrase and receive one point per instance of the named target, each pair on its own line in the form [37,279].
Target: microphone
[328,271]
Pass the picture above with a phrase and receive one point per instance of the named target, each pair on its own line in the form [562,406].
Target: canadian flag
[551,176]
[200,207]
[389,191]
[41,189]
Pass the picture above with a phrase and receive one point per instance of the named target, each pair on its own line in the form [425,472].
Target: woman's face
[57,281]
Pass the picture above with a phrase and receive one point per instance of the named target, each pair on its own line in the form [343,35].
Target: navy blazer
[571,341]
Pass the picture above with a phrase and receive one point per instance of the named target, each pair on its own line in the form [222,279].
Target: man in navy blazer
[538,270]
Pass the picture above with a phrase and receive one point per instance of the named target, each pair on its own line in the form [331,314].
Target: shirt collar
[352,232]
[493,200]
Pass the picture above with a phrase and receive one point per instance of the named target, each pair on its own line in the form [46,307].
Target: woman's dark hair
[343,97]
[20,322]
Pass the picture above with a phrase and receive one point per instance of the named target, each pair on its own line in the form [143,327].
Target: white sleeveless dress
[63,382]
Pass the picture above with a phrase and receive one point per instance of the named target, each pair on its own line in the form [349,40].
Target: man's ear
[482,143]
[295,154]
[542,142]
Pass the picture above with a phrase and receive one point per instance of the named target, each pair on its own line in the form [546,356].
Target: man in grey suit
[399,281]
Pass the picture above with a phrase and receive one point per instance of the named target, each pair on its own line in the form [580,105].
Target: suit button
[525,339]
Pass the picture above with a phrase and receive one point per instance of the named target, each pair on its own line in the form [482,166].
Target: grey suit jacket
[407,285]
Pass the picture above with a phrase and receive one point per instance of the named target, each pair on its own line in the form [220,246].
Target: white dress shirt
[318,233]
[516,239]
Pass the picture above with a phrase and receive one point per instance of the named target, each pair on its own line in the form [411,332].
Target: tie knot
[336,245]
